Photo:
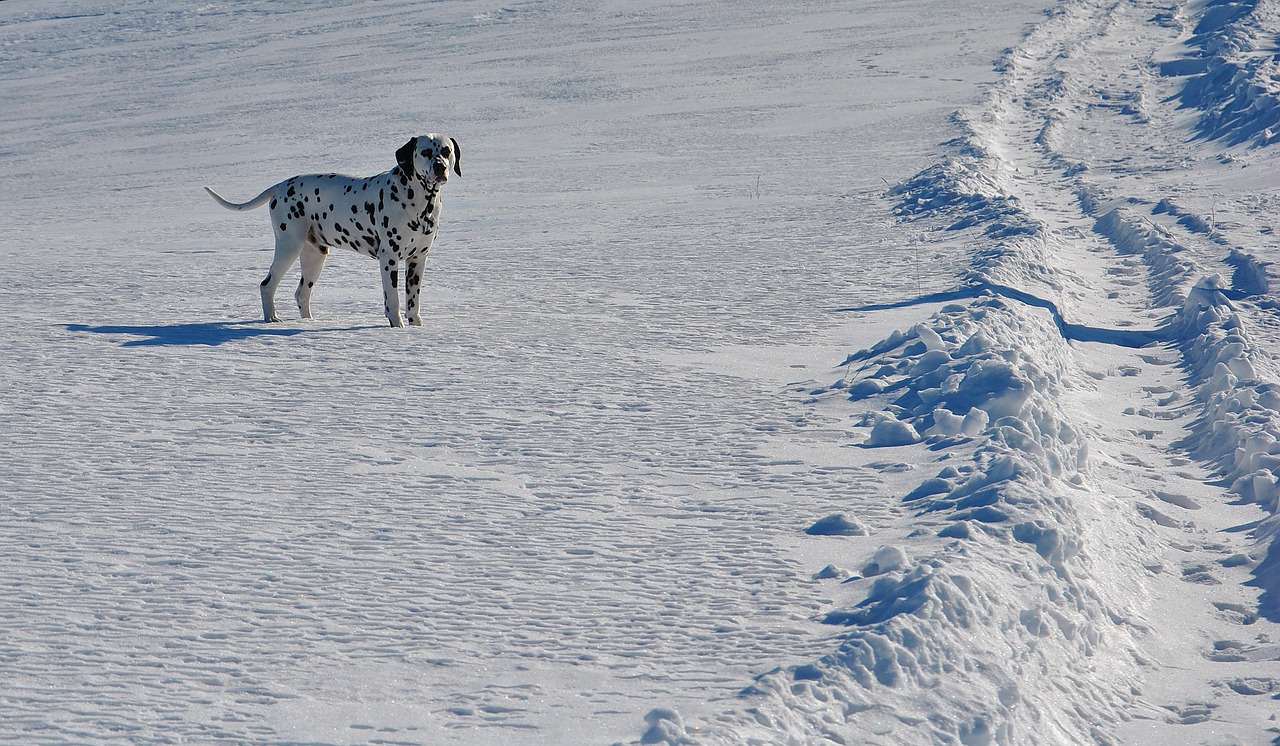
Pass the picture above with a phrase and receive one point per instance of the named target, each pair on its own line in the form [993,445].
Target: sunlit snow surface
[877,373]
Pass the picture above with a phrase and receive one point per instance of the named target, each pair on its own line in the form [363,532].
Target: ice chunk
[886,559]
[974,421]
[930,361]
[930,338]
[890,431]
[975,345]
[945,422]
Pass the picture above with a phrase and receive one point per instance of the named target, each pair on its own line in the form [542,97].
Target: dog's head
[429,158]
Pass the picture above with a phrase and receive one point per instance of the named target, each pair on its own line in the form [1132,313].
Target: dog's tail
[258,201]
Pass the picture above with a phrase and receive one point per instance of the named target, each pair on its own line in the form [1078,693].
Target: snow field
[573,508]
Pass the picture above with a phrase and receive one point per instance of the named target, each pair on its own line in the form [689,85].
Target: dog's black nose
[442,168]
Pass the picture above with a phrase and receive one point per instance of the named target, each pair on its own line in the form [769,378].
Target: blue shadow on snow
[210,333]
[1076,332]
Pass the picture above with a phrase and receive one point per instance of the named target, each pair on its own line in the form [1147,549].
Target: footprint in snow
[1190,713]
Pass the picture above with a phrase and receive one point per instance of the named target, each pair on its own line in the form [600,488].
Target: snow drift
[1232,71]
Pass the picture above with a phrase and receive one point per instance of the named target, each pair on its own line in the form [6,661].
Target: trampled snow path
[578,495]
[1086,78]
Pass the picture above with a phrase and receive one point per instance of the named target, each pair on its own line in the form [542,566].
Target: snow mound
[890,431]
[836,524]
[665,727]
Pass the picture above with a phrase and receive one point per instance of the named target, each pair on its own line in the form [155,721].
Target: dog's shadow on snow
[209,334]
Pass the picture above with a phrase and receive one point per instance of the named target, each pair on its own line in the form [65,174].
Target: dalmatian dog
[392,217]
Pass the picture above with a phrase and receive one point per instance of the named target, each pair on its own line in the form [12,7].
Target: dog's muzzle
[441,168]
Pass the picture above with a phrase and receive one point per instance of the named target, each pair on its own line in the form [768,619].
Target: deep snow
[791,373]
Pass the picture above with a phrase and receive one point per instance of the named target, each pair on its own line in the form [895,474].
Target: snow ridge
[926,656]
[1233,69]
[1238,427]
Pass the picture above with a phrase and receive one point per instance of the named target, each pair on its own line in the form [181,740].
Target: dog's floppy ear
[457,157]
[404,156]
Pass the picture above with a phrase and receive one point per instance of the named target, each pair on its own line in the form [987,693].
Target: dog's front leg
[413,272]
[390,289]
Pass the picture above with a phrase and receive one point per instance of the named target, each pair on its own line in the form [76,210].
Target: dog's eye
[444,151]
[425,153]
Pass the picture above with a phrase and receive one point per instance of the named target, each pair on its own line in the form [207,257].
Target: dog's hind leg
[288,248]
[312,263]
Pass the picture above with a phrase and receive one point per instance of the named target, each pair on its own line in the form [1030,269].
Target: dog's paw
[396,323]
[415,321]
[271,320]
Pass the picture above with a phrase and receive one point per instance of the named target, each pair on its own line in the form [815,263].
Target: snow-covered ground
[792,373]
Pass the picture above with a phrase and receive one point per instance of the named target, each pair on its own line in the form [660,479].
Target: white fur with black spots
[392,217]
